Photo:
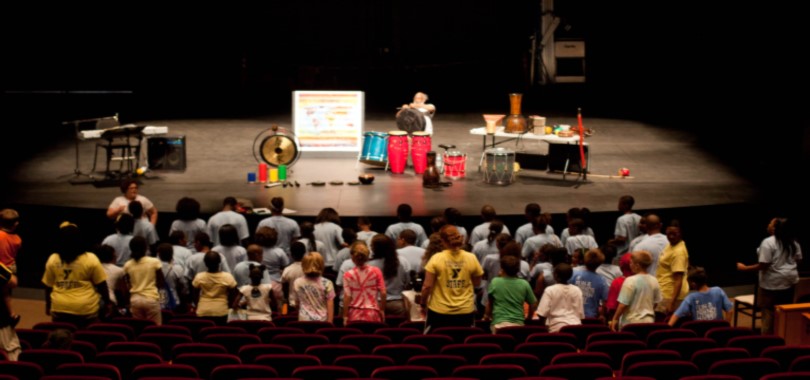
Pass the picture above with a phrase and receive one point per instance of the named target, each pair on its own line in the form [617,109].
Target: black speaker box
[531,161]
[167,153]
[559,153]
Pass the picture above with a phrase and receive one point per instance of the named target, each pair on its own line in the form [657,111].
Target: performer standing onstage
[420,104]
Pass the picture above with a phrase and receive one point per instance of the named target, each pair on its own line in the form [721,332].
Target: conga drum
[455,164]
[499,166]
[375,150]
[420,145]
[397,151]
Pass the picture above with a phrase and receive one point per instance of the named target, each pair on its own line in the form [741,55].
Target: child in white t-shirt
[257,297]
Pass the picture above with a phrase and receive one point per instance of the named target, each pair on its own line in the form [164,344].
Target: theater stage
[667,170]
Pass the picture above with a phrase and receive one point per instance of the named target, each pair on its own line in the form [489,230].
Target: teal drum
[375,148]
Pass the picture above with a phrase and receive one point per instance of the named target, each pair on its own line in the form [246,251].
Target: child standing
[215,290]
[10,244]
[507,295]
[639,294]
[561,303]
[704,303]
[257,297]
[363,285]
[314,293]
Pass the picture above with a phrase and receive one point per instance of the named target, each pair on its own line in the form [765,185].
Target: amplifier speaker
[167,153]
[531,161]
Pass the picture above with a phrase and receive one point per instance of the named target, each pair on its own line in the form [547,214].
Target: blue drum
[375,148]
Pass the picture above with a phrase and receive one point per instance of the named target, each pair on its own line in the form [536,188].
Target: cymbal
[279,150]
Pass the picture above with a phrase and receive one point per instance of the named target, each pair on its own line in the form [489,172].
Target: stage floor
[667,170]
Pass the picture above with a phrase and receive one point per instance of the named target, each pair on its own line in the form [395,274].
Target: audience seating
[364,364]
[284,364]
[168,370]
[458,334]
[100,339]
[168,329]
[647,356]
[755,344]
[701,327]
[722,335]
[206,363]
[232,341]
[134,347]
[397,334]
[324,372]
[473,352]
[400,352]
[490,371]
[507,342]
[642,330]
[50,359]
[582,357]
[800,364]
[137,324]
[127,361]
[128,331]
[248,353]
[333,334]
[268,333]
[365,342]
[443,364]
[611,335]
[528,362]
[50,326]
[658,336]
[583,331]
[36,338]
[747,369]
[557,337]
[616,349]
[785,355]
[90,369]
[197,348]
[251,326]
[327,353]
[687,346]
[577,371]
[404,372]
[704,359]
[663,370]
[299,342]
[521,333]
[433,343]
[544,351]
[241,371]
[309,327]
[167,342]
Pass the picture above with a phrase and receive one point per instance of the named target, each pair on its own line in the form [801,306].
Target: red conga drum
[397,151]
[455,164]
[420,145]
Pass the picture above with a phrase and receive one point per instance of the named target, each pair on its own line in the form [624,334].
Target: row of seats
[227,367]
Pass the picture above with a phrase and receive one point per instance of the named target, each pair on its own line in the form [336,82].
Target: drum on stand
[375,148]
[499,166]
[420,145]
[455,164]
[397,151]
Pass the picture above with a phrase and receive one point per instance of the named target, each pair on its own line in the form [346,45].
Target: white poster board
[328,121]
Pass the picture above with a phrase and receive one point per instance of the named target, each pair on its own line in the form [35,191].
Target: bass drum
[411,120]
[278,146]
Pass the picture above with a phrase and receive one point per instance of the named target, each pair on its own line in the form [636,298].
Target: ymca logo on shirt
[585,287]
[705,312]
[455,268]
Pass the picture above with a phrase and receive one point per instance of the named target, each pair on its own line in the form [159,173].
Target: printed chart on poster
[328,121]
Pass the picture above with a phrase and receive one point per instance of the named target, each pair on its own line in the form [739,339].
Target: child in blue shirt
[703,303]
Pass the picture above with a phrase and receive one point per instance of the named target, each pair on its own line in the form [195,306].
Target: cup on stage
[251,177]
[262,172]
[273,175]
[282,172]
